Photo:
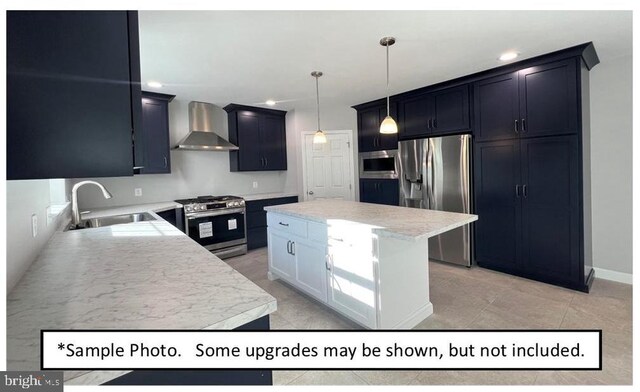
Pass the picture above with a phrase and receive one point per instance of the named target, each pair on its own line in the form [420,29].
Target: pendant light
[319,137]
[388,124]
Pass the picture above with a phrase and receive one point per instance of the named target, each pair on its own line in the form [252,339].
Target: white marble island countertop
[138,275]
[399,222]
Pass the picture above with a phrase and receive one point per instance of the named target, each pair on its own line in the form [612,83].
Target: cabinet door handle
[429,124]
[524,128]
[289,247]
[165,161]
[435,123]
[266,162]
[327,265]
[283,224]
[517,190]
[293,248]
[515,127]
[524,190]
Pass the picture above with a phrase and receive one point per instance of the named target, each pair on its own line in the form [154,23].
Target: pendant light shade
[319,137]
[388,125]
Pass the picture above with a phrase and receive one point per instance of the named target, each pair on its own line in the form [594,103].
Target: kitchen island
[144,275]
[369,262]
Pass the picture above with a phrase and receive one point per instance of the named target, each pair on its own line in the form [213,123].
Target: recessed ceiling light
[508,56]
[270,102]
[154,84]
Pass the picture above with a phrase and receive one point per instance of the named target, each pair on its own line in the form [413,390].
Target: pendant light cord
[387,79]
[318,101]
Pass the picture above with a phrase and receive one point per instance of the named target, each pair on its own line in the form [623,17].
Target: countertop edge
[96,377]
[381,231]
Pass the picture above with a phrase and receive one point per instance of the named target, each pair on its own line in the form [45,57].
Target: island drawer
[287,224]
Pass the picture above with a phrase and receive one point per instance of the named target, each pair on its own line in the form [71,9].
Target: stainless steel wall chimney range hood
[201,135]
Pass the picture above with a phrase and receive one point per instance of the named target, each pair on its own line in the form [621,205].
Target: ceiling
[247,57]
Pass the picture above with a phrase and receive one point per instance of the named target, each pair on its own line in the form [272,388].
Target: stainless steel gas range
[218,223]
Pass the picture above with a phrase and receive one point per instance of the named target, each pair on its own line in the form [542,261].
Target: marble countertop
[399,222]
[138,275]
[263,196]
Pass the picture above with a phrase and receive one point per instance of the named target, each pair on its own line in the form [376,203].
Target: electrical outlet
[255,184]
[34,225]
[137,192]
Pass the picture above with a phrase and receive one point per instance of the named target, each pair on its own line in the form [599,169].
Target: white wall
[25,198]
[611,164]
[193,173]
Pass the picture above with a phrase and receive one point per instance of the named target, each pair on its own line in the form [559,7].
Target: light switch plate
[137,192]
[34,225]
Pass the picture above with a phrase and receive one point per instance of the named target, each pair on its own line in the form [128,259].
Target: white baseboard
[616,276]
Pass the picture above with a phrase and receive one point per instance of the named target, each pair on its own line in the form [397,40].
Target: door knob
[310,192]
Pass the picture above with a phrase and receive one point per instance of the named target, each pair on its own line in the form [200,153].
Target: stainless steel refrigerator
[435,173]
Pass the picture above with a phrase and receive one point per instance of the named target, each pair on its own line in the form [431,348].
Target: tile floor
[470,298]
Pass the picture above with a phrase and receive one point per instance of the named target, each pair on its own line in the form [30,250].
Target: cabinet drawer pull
[524,128]
[283,224]
[515,127]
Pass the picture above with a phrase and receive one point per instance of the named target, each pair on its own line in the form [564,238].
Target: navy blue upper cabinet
[549,99]
[73,94]
[437,113]
[369,136]
[536,101]
[496,107]
[414,118]
[155,133]
[261,136]
[450,110]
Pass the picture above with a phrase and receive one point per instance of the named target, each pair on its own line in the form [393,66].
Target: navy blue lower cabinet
[528,200]
[202,377]
[257,219]
[380,191]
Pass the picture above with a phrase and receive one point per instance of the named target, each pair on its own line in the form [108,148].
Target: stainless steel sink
[115,220]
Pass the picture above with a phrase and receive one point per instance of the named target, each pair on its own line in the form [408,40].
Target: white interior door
[328,167]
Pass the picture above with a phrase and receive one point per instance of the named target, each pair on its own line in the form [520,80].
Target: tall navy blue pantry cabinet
[73,94]
[528,169]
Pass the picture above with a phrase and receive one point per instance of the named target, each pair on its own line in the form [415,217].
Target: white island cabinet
[366,261]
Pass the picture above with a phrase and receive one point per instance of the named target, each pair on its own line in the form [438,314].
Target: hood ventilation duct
[201,135]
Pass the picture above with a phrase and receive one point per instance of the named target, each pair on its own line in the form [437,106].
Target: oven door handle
[216,213]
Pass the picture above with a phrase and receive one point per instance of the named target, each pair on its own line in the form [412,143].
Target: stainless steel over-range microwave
[378,164]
